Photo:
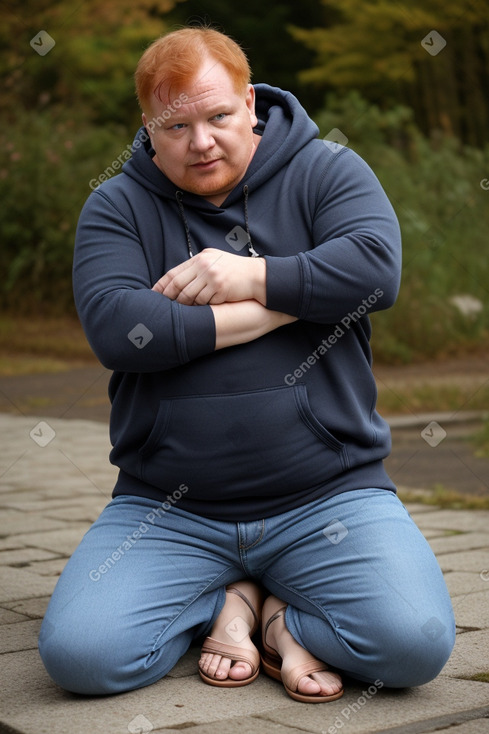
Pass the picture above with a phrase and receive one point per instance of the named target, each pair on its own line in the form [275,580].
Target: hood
[285,128]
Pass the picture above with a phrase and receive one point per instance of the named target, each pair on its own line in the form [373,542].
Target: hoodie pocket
[256,443]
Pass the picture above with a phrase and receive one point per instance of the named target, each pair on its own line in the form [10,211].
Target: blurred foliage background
[414,104]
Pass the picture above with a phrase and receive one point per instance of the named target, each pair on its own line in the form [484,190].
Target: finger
[170,276]
[192,296]
[180,282]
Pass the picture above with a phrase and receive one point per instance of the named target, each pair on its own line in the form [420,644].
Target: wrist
[259,279]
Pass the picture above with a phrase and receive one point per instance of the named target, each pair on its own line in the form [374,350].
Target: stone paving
[55,479]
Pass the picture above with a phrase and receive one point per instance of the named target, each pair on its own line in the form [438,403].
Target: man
[226,276]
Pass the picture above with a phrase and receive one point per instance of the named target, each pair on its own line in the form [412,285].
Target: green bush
[435,187]
[44,182]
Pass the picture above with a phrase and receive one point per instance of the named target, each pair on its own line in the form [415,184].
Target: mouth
[205,165]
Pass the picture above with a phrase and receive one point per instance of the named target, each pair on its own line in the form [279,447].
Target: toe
[215,666]
[222,670]
[240,671]
[329,683]
[308,686]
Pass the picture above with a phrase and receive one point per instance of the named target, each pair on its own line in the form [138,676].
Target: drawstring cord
[251,249]
[179,197]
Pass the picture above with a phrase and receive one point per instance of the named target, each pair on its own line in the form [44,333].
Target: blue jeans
[364,590]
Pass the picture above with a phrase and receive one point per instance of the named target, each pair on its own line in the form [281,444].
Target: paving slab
[20,636]
[62,541]
[388,709]
[16,583]
[476,561]
[47,568]
[7,616]
[470,655]
[430,533]
[466,582]
[460,542]
[15,522]
[41,503]
[478,726]
[87,512]
[8,543]
[32,608]
[248,725]
[19,499]
[472,610]
[475,521]
[56,453]
[23,556]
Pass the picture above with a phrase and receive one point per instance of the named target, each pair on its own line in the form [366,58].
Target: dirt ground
[415,462]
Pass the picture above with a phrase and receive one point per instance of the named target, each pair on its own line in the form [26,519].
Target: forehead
[212,84]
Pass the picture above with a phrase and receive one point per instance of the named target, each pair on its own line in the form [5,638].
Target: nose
[201,139]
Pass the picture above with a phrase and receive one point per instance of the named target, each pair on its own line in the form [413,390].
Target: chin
[210,189]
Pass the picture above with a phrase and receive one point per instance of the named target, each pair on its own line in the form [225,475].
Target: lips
[205,165]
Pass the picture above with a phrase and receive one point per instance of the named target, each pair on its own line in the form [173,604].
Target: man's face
[206,145]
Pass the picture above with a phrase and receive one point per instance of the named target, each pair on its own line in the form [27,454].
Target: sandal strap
[216,647]
[233,590]
[275,616]
[292,677]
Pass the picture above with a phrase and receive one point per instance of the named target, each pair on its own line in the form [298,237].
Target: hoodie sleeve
[130,327]
[358,250]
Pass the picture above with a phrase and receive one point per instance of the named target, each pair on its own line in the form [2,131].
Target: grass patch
[448,397]
[481,441]
[40,346]
[445,499]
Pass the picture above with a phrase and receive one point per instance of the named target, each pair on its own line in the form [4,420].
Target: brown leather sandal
[235,653]
[272,665]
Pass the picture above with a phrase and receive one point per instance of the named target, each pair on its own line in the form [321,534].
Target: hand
[214,276]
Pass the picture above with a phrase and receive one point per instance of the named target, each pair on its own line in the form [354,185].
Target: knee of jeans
[415,658]
[82,663]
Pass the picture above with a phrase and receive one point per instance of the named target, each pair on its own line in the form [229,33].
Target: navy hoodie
[256,429]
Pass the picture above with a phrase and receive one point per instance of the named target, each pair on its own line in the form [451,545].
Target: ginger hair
[173,61]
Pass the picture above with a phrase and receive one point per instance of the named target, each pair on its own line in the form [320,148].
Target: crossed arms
[235,288]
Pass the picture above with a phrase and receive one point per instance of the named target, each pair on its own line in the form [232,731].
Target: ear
[250,103]
[146,125]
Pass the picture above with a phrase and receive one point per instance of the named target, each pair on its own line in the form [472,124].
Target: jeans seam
[324,614]
[184,610]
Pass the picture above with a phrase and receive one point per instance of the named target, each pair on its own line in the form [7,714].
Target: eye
[178,126]
[219,117]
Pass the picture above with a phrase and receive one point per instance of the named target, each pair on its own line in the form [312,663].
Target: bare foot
[233,626]
[279,638]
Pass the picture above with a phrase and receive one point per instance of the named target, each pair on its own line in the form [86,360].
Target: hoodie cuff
[284,284]
[200,331]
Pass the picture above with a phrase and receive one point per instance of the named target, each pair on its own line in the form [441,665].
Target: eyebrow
[215,109]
